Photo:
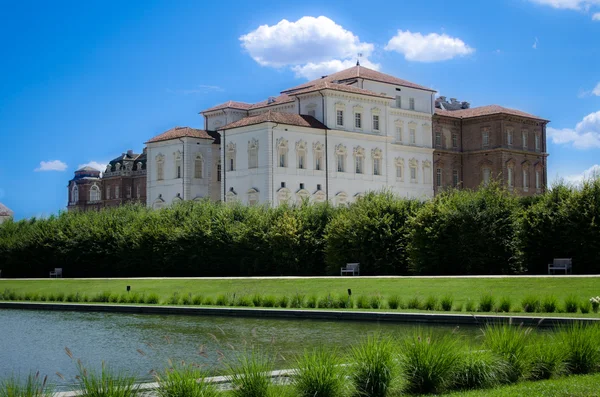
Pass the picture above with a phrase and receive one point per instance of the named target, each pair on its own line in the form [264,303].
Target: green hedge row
[488,231]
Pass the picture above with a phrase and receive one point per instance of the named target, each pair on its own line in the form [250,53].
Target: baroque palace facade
[332,139]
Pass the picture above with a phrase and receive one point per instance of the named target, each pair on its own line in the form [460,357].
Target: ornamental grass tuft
[505,304]
[510,343]
[184,381]
[531,304]
[394,302]
[486,303]
[548,357]
[106,383]
[33,386]
[250,375]
[373,367]
[571,304]
[479,370]
[580,342]
[446,303]
[320,373]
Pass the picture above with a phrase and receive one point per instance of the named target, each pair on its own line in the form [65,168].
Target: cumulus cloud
[596,90]
[596,16]
[310,46]
[94,164]
[53,165]
[569,4]
[432,47]
[585,135]
[592,172]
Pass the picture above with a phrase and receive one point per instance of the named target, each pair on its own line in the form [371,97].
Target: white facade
[181,169]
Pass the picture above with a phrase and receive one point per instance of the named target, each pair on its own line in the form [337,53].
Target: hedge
[488,231]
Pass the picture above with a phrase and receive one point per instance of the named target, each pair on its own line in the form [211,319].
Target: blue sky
[83,82]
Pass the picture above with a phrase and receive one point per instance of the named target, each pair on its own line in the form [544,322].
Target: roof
[87,168]
[359,72]
[279,100]
[300,120]
[485,111]
[5,211]
[322,85]
[229,105]
[180,132]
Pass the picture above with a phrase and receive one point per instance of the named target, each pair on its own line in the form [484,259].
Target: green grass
[464,291]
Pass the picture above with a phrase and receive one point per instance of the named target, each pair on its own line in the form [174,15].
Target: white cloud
[94,164]
[596,16]
[592,172]
[569,4]
[535,43]
[310,46]
[53,165]
[429,48]
[596,90]
[585,135]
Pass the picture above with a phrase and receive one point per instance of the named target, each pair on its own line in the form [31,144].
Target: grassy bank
[509,294]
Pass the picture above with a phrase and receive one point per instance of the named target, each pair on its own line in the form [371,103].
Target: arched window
[178,170]
[359,160]
[398,124]
[282,152]
[318,154]
[412,133]
[340,155]
[413,164]
[74,194]
[253,153]
[377,156]
[510,174]
[160,167]
[94,193]
[230,157]
[301,154]
[525,178]
[198,166]
[399,169]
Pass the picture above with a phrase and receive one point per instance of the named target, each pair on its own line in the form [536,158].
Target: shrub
[571,304]
[112,298]
[531,304]
[249,375]
[184,381]
[186,299]
[486,303]
[446,303]
[585,307]
[311,302]
[428,364]
[244,301]
[297,301]
[59,297]
[283,301]
[197,300]
[510,343]
[376,302]
[479,370]
[394,302]
[344,301]
[257,300]
[505,304]
[470,306]
[33,386]
[106,383]
[319,373]
[43,298]
[431,303]
[550,304]
[363,302]
[208,301]
[174,299]
[326,302]
[547,358]
[152,299]
[580,342]
[374,367]
[102,297]
[222,300]
[268,301]
[414,303]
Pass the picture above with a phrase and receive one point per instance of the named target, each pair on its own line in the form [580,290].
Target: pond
[36,340]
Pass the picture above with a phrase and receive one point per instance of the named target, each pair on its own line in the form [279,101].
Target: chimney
[271,99]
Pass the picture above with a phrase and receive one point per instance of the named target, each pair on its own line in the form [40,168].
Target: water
[36,340]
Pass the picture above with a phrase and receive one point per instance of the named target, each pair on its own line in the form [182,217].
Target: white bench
[351,269]
[57,272]
[565,264]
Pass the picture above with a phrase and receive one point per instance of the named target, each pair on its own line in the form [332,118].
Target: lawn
[461,290]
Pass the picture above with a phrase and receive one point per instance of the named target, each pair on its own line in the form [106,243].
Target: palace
[332,139]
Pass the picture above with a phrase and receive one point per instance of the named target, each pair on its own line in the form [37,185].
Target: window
[358,120]
[455,178]
[108,192]
[411,103]
[128,191]
[427,173]
[231,152]
[137,191]
[509,137]
[117,191]
[399,169]
[219,171]
[524,139]
[282,150]
[340,153]
[537,143]
[301,154]
[398,101]
[74,194]
[526,180]
[398,133]
[318,186]
[340,163]
[377,156]
[231,165]
[282,184]
[412,135]
[485,138]
[253,153]
[179,169]
[413,164]
[160,169]
[252,196]
[510,175]
[318,154]
[487,173]
[455,141]
[438,139]
[538,180]
[198,166]
[359,160]
[438,177]
[340,118]
[375,122]
[177,165]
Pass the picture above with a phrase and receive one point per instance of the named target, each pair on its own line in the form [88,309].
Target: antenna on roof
[358,56]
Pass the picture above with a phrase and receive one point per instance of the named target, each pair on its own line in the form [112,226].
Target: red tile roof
[229,105]
[180,132]
[485,111]
[5,211]
[281,99]
[322,85]
[359,72]
[300,120]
